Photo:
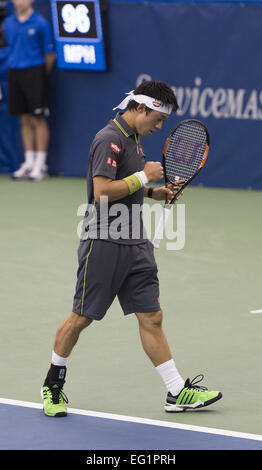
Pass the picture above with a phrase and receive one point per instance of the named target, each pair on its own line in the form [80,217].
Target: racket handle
[166,193]
[161,226]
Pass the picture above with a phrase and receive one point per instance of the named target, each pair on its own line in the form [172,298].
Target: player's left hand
[159,194]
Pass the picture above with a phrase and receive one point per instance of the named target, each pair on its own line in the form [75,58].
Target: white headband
[151,103]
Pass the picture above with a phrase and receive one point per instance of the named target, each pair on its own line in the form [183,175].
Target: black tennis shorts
[27,91]
[107,270]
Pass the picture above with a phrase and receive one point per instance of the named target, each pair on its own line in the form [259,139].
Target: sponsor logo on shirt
[115,147]
[111,162]
[31,31]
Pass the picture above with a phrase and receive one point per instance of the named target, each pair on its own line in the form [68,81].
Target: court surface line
[132,419]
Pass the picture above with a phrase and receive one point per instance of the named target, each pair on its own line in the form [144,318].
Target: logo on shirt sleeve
[115,148]
[111,162]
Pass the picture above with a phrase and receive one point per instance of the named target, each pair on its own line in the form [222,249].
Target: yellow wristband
[133,183]
[136,181]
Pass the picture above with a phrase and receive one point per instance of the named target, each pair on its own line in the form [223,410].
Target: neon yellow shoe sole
[191,397]
[54,401]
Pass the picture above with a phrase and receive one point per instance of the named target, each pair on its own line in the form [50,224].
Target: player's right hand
[154,171]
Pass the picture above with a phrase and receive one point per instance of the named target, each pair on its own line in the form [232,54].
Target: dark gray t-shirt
[116,152]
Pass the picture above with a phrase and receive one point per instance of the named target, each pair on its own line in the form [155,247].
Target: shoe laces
[193,383]
[57,394]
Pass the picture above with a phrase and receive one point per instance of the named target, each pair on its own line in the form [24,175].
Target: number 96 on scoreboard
[78,34]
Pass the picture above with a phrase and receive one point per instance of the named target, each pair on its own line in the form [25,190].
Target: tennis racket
[185,153]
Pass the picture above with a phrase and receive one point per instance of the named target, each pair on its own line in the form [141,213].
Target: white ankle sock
[171,377]
[58,360]
[40,159]
[30,158]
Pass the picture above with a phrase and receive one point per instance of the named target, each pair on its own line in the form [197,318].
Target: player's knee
[157,319]
[151,320]
[78,322]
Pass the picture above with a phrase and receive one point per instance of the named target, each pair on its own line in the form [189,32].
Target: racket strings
[185,151]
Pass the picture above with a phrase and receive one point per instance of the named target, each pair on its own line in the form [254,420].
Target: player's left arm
[159,193]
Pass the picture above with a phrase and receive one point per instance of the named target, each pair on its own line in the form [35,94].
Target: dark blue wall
[209,53]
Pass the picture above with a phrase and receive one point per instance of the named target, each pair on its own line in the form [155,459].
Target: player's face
[22,6]
[147,123]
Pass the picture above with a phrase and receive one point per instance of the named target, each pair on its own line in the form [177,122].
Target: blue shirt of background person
[28,41]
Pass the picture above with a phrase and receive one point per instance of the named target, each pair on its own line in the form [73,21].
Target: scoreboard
[78,32]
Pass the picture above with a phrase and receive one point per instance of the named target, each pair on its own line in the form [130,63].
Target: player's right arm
[118,189]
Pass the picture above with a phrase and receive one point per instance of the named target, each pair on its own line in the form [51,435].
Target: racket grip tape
[161,226]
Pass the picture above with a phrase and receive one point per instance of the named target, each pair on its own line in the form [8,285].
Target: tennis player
[119,264]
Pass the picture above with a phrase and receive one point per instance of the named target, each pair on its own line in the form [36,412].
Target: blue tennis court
[24,426]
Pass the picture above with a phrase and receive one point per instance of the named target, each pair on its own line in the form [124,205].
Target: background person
[31,58]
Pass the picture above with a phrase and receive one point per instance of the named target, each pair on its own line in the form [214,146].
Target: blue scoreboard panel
[78,32]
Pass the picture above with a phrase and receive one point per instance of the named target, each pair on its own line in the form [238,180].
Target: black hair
[158,90]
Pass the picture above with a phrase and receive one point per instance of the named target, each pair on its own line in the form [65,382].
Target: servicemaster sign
[78,34]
